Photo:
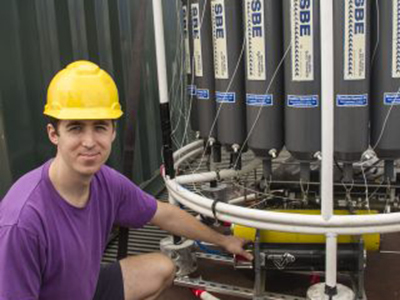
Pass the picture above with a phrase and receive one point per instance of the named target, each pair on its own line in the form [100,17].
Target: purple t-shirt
[50,250]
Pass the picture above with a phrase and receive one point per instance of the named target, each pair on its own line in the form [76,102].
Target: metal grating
[144,240]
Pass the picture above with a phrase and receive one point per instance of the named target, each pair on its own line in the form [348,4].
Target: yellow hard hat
[82,91]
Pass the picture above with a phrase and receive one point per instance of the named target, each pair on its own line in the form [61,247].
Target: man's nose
[88,140]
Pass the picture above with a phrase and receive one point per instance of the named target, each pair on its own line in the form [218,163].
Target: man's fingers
[247,255]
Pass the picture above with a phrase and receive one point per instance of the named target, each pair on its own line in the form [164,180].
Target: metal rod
[327,107]
[160,51]
[331,262]
[163,94]
[163,88]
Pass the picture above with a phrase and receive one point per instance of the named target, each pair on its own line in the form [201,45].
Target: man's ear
[53,134]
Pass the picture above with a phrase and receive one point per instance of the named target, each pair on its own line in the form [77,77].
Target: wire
[386,119]
[366,188]
[389,252]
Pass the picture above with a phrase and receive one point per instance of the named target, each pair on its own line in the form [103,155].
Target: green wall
[39,37]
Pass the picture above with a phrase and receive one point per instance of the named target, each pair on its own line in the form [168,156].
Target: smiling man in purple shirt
[55,220]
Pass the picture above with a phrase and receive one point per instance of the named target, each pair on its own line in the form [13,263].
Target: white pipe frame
[189,147]
[288,222]
[185,157]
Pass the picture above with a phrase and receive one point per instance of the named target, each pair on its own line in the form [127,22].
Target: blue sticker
[306,101]
[259,100]
[203,94]
[391,99]
[191,89]
[225,97]
[352,100]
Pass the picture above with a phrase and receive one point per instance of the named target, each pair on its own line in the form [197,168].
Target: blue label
[191,89]
[306,101]
[351,100]
[259,100]
[391,99]
[225,97]
[203,94]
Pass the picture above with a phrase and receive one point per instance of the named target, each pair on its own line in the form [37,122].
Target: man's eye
[101,128]
[75,128]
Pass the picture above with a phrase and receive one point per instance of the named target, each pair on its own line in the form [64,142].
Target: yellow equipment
[371,241]
[82,91]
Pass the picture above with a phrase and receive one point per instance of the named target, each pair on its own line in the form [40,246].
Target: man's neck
[72,186]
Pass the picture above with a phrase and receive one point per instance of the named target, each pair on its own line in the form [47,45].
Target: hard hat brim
[84,114]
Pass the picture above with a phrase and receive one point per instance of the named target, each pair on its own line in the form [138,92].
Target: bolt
[273,153]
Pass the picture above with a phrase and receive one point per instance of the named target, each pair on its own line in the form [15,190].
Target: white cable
[386,120]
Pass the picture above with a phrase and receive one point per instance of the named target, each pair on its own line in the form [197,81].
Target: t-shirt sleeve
[135,207]
[20,264]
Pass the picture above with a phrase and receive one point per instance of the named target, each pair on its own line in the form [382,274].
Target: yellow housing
[371,241]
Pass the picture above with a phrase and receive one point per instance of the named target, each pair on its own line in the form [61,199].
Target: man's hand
[235,245]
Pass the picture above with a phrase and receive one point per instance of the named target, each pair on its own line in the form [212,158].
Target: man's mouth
[89,155]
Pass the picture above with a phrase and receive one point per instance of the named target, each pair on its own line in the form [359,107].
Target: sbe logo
[195,22]
[256,19]
[359,15]
[219,21]
[305,17]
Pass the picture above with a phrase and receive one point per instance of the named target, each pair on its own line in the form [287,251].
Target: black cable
[337,165]
[213,209]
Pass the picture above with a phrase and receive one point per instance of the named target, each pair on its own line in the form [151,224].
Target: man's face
[84,145]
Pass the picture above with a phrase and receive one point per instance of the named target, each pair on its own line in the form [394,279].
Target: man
[55,220]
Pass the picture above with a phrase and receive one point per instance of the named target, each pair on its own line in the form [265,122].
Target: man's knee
[166,268]
[146,276]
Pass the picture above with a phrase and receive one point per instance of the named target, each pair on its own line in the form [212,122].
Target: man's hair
[54,122]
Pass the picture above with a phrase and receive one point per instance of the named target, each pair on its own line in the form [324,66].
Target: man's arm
[179,222]
[20,275]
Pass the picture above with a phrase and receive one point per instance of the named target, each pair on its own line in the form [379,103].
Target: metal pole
[163,94]
[331,264]
[327,95]
[160,51]
[327,107]
[163,87]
